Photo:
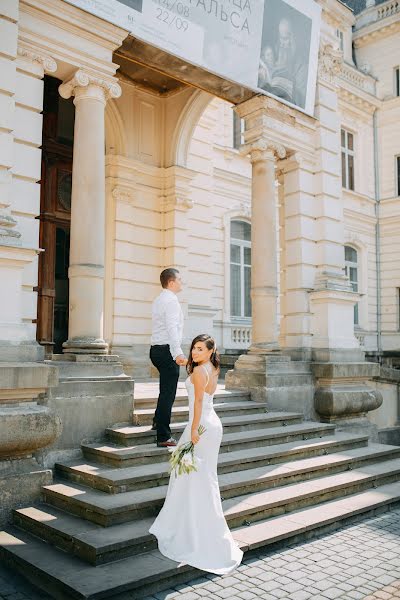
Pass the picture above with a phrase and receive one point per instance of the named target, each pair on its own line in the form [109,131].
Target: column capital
[297,160]
[104,88]
[43,62]
[330,61]
[263,149]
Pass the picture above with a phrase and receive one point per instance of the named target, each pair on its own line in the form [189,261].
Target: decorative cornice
[330,61]
[46,62]
[83,79]
[262,149]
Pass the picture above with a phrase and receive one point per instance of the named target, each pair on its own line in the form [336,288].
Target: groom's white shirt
[167,322]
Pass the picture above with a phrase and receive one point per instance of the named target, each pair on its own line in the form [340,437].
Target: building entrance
[55,216]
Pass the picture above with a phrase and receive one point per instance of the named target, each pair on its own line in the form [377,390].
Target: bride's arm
[199,381]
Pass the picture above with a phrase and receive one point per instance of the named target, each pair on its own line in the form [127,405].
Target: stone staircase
[281,478]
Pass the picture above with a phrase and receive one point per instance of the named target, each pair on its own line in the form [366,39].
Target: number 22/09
[170,19]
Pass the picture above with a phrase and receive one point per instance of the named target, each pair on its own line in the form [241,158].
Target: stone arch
[115,136]
[185,126]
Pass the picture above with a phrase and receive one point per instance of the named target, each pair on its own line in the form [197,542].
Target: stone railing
[236,336]
[361,80]
[389,9]
[240,336]
[377,13]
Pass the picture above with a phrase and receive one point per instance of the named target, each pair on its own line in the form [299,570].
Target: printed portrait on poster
[285,52]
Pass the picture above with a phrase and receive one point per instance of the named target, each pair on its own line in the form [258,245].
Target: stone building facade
[111,170]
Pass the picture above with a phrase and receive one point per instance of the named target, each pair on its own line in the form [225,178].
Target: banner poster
[269,46]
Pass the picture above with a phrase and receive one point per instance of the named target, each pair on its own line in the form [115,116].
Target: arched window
[240,269]
[352,271]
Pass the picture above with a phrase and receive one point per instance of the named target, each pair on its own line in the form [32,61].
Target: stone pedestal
[93,393]
[26,428]
[343,397]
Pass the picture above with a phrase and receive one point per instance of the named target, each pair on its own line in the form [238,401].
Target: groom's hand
[181,360]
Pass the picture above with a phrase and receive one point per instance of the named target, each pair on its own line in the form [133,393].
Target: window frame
[347,153]
[397,174]
[340,36]
[237,140]
[348,264]
[396,81]
[242,244]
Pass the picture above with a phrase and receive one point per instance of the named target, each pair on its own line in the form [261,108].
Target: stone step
[144,416]
[98,545]
[245,501]
[126,434]
[65,576]
[149,400]
[250,508]
[116,455]
[119,480]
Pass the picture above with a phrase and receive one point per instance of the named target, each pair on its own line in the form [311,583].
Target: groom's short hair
[167,275]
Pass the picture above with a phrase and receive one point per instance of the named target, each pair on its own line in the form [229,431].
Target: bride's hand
[195,436]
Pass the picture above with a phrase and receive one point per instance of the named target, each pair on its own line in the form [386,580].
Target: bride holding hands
[191,527]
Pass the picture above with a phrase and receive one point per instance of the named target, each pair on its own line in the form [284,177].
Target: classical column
[87,251]
[264,246]
[252,371]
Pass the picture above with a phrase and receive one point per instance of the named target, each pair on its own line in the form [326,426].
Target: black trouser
[162,359]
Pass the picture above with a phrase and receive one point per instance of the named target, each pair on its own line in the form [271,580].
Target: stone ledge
[355,370]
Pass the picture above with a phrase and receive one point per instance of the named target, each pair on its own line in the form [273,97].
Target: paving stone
[323,585]
[246,595]
[333,593]
[225,592]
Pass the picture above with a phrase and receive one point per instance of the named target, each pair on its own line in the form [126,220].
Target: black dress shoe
[154,426]
[167,444]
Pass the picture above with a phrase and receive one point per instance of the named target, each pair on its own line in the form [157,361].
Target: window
[240,269]
[347,145]
[351,270]
[398,308]
[237,131]
[397,167]
[397,81]
[339,35]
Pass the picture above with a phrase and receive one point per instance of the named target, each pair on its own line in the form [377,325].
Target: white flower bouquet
[182,458]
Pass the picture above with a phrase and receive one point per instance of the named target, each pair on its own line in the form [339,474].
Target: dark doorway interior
[55,216]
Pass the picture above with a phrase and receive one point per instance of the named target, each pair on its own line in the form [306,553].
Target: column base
[273,379]
[93,393]
[343,396]
[85,346]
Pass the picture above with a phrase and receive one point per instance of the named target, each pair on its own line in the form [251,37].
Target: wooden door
[55,216]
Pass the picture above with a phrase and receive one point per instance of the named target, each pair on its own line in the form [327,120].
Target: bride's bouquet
[182,458]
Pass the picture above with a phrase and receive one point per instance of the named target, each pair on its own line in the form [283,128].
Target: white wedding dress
[191,526]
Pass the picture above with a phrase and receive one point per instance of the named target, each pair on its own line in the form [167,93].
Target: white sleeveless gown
[191,526]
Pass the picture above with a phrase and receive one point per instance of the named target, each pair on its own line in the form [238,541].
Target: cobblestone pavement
[358,562]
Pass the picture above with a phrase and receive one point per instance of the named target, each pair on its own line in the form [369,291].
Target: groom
[166,352]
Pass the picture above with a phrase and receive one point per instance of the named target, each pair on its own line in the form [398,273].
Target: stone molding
[330,61]
[83,80]
[263,149]
[46,62]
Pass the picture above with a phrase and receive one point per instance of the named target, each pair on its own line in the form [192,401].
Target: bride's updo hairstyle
[211,345]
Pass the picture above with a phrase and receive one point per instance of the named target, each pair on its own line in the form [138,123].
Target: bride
[191,526]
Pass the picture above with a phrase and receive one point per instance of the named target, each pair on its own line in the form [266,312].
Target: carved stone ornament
[261,150]
[122,194]
[47,63]
[330,61]
[83,79]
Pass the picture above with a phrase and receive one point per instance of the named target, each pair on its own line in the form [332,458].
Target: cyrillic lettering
[216,7]
[237,14]
[246,26]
